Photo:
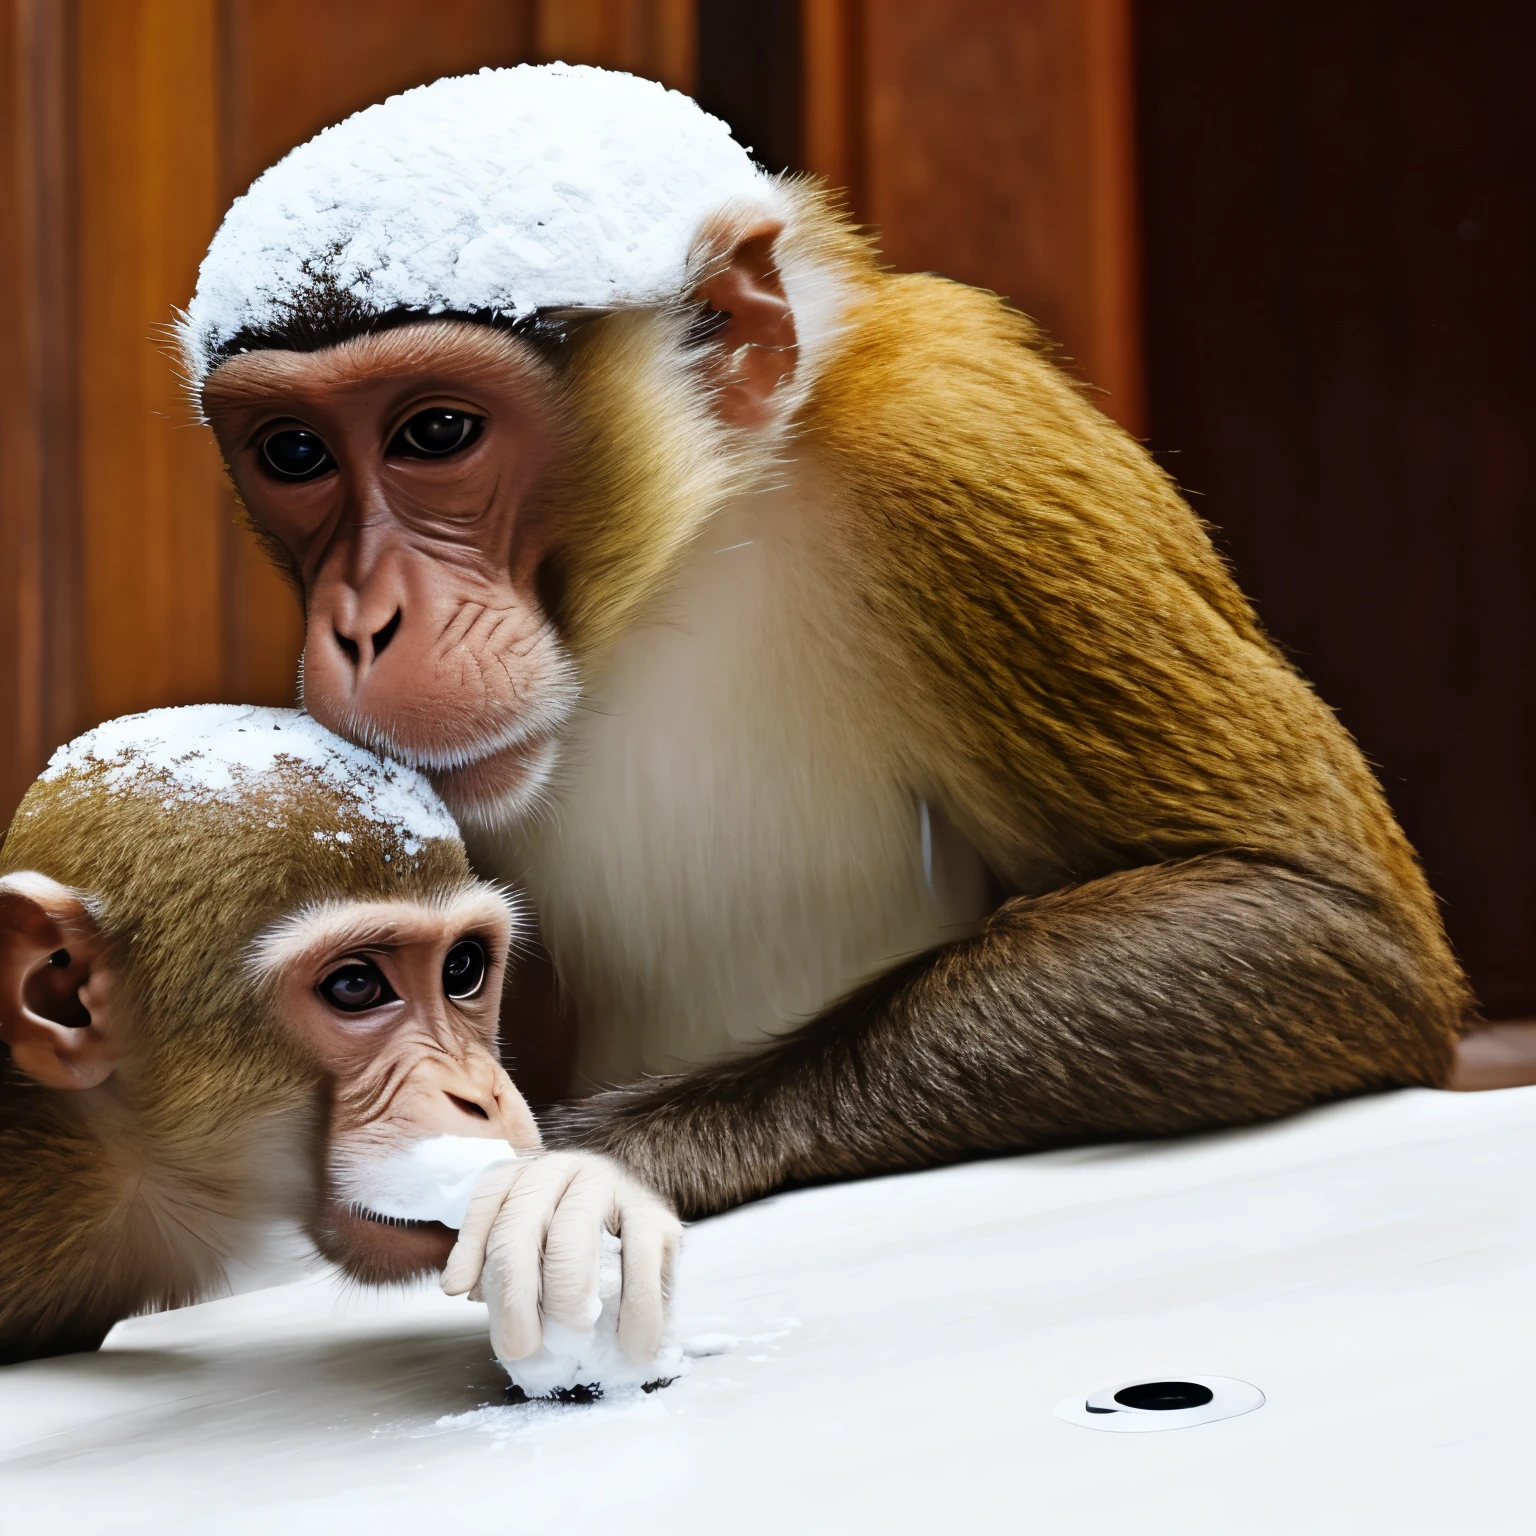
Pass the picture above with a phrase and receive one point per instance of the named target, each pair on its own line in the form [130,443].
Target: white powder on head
[510,190]
[219,753]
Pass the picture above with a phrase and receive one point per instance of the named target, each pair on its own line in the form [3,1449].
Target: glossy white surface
[900,1346]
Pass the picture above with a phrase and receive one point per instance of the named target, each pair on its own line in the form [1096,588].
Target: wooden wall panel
[278,95]
[992,141]
[39,633]
[655,38]
[1340,229]
[150,199]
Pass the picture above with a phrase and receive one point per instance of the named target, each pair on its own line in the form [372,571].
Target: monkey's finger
[462,1271]
[573,1251]
[513,1271]
[651,1236]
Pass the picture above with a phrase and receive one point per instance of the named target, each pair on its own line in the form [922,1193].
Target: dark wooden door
[1338,209]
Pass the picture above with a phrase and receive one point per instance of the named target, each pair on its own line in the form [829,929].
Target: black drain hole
[1163,1396]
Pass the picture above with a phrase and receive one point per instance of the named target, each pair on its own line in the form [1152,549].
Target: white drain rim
[1229,1398]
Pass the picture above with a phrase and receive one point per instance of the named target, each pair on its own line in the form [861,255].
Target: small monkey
[896,772]
[240,960]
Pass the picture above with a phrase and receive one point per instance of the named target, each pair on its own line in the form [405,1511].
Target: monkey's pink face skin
[397,471]
[398,1003]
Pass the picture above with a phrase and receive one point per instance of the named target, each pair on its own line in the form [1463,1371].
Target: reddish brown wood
[1340,227]
[147,172]
[991,141]
[38,502]
[655,38]
[834,139]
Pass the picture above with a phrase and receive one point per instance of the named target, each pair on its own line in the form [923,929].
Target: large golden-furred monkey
[894,769]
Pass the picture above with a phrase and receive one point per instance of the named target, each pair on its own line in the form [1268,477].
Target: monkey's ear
[757,337]
[58,1011]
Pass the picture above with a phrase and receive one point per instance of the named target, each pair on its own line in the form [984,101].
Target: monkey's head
[483,361]
[225,926]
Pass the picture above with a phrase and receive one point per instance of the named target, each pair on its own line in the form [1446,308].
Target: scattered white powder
[219,753]
[508,190]
[703,1345]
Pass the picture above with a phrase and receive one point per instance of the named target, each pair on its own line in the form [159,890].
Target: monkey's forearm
[1158,1000]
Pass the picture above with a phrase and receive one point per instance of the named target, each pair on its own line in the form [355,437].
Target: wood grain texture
[21,617]
[150,198]
[655,38]
[1340,231]
[39,632]
[992,141]
[833,139]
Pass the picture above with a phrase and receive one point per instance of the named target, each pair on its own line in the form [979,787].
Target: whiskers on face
[460,743]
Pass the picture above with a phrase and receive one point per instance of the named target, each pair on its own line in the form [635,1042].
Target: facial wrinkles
[478,633]
[369,1096]
[253,380]
[453,545]
[371,517]
[461,501]
[529,695]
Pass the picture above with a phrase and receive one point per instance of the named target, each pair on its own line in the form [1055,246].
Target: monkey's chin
[499,788]
[380,1251]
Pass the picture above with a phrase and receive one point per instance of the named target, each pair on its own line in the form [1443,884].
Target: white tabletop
[899,1347]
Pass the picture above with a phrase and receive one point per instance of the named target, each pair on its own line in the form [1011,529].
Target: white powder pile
[509,191]
[571,1358]
[433,1180]
[219,753]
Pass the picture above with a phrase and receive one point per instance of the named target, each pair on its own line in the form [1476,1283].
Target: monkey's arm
[1167,998]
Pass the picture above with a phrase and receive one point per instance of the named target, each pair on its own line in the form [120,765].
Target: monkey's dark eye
[436,433]
[295,454]
[464,969]
[356,987]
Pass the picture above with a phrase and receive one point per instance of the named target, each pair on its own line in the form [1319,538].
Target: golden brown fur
[1215,917]
[969,604]
[129,1196]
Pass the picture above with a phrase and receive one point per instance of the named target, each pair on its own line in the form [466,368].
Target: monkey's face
[397,1001]
[467,522]
[400,479]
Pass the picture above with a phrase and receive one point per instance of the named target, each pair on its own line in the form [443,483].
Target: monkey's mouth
[400,1223]
[379,1249]
[501,782]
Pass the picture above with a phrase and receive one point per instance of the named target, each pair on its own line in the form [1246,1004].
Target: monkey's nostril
[382,637]
[348,647]
[469,1107]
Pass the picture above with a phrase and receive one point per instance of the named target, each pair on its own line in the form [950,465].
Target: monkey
[240,960]
[894,768]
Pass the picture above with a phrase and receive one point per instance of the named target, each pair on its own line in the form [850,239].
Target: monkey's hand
[532,1241]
